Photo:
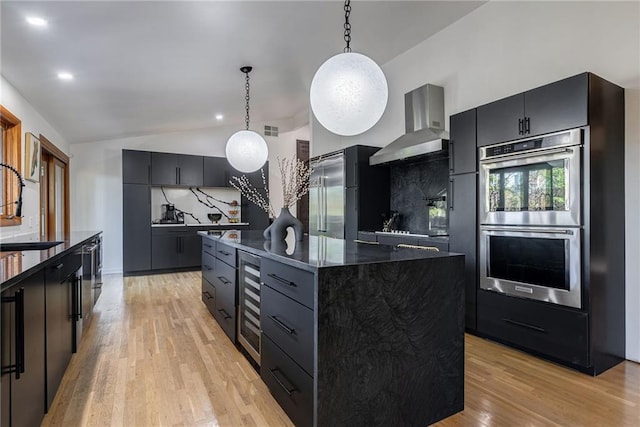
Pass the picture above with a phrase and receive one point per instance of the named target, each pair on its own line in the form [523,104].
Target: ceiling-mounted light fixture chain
[347,25]
[246,97]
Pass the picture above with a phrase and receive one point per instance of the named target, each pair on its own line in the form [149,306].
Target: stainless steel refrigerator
[327,196]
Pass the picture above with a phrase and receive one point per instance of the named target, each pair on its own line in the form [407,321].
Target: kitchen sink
[27,246]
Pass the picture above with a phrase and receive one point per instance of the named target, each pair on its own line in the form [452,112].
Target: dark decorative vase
[277,231]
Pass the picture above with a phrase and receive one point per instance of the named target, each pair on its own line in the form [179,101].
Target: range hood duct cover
[424,127]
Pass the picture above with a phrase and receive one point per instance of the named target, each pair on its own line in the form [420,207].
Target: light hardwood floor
[154,356]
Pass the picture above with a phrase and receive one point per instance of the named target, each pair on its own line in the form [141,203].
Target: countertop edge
[43,264]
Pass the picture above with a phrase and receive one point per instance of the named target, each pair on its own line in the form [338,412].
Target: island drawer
[226,253]
[224,272]
[208,246]
[288,383]
[59,270]
[295,283]
[225,308]
[208,266]
[209,295]
[552,330]
[290,325]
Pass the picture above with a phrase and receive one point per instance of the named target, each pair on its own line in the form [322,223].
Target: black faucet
[21,185]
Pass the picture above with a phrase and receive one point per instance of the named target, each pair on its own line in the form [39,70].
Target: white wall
[96,176]
[32,122]
[504,48]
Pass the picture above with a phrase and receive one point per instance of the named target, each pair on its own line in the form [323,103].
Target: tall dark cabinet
[251,213]
[590,338]
[463,181]
[23,353]
[136,211]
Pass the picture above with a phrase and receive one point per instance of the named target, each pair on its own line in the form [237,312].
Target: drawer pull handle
[224,280]
[208,246]
[59,266]
[524,325]
[280,279]
[282,325]
[225,314]
[207,267]
[207,295]
[288,390]
[225,253]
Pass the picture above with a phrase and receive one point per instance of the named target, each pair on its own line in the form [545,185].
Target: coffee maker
[168,214]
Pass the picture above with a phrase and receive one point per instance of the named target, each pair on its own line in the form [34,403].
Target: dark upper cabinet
[251,213]
[136,227]
[554,107]
[557,106]
[501,120]
[462,236]
[190,170]
[23,308]
[367,191]
[462,144]
[216,172]
[136,167]
[176,169]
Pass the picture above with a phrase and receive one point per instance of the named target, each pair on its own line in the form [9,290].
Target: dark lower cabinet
[175,249]
[550,330]
[23,353]
[60,324]
[136,228]
[219,284]
[289,384]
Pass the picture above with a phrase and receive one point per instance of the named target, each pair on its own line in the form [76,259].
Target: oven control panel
[559,139]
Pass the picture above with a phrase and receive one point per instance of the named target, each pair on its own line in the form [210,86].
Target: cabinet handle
[78,282]
[179,176]
[224,280]
[451,157]
[451,194]
[524,325]
[59,266]
[224,314]
[288,390]
[521,126]
[527,125]
[282,325]
[225,253]
[18,367]
[208,246]
[207,267]
[207,295]
[280,279]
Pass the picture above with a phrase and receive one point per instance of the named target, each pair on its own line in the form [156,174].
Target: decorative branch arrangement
[294,174]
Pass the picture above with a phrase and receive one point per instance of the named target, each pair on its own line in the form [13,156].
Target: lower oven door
[532,262]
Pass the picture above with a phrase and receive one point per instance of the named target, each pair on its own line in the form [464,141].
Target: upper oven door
[538,187]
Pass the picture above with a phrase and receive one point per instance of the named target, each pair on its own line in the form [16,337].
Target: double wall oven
[531,217]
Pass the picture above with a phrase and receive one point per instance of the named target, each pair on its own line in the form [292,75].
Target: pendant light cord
[246,97]
[347,25]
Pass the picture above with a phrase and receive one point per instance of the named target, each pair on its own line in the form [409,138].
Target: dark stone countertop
[16,266]
[315,252]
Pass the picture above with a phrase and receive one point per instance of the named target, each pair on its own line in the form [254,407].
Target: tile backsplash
[410,184]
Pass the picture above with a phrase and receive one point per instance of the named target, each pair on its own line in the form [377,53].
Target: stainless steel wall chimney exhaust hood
[424,126]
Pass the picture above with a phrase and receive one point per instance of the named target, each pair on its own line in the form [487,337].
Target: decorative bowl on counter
[214,217]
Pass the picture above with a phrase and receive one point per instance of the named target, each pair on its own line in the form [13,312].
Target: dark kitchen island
[351,333]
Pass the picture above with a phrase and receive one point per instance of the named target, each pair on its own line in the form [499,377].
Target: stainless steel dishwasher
[249,304]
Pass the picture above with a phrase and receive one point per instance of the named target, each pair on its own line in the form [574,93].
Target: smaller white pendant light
[349,91]
[246,150]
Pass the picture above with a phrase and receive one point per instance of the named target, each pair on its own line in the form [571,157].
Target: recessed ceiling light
[38,22]
[219,117]
[65,76]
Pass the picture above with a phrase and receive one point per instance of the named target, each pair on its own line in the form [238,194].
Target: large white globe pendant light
[349,91]
[246,150]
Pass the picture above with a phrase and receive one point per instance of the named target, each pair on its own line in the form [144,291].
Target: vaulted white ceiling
[157,66]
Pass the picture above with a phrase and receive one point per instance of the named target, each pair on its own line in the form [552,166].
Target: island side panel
[390,342]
